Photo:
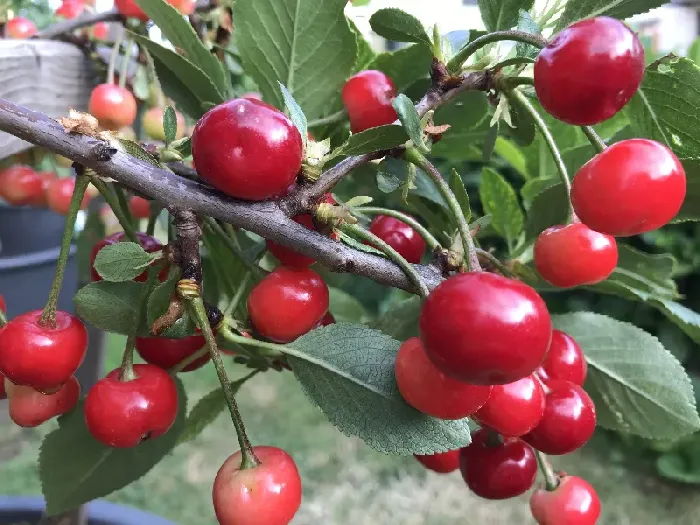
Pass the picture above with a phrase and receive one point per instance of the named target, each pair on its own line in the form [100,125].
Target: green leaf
[549,207]
[306,45]
[534,187]
[523,129]
[183,81]
[528,25]
[665,104]
[387,182]
[500,201]
[95,470]
[690,210]
[183,146]
[348,372]
[682,316]
[637,385]
[180,33]
[680,466]
[345,308]
[408,116]
[122,261]
[457,186]
[490,142]
[513,155]
[295,114]
[169,124]
[374,139]
[109,306]
[160,297]
[405,65]
[399,26]
[694,51]
[365,53]
[579,9]
[354,243]
[207,409]
[502,14]
[401,320]
[469,116]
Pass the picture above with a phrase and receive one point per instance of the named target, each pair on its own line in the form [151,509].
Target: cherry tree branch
[66,26]
[263,218]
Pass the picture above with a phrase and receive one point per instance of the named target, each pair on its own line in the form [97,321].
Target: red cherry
[3,305]
[327,319]
[129,8]
[47,178]
[100,31]
[484,329]
[41,356]
[589,71]
[113,106]
[20,185]
[428,390]
[122,414]
[632,187]
[574,255]
[140,208]
[3,391]
[495,470]
[400,236]
[573,502]
[441,462]
[148,243]
[29,408]
[367,97]
[20,28]
[247,149]
[70,9]
[564,362]
[59,193]
[513,409]
[288,303]
[568,421]
[269,494]
[166,353]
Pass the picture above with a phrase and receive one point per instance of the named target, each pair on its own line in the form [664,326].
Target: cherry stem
[428,237]
[416,157]
[270,350]
[455,64]
[151,226]
[124,65]
[550,478]
[123,203]
[240,292]
[492,259]
[549,140]
[339,116]
[126,372]
[113,202]
[512,82]
[48,316]
[594,138]
[514,61]
[116,46]
[395,256]
[249,460]
[231,244]
[3,319]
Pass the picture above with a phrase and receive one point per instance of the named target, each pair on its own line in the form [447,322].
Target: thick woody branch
[84,20]
[263,218]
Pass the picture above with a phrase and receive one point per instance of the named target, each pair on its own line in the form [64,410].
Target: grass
[345,482]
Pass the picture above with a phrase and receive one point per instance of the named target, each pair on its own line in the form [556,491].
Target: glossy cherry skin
[148,243]
[166,353]
[20,28]
[573,502]
[632,187]
[3,305]
[100,31]
[29,408]
[513,409]
[484,329]
[288,303]
[113,106]
[428,390]
[3,391]
[327,319]
[564,361]
[497,471]
[122,414]
[269,494]
[47,179]
[568,421]
[367,97]
[247,149]
[140,208]
[574,255]
[59,193]
[20,185]
[129,8]
[40,356]
[152,124]
[589,71]
[70,9]
[400,236]
[441,462]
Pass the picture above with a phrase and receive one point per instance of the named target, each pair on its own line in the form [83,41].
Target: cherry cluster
[21,28]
